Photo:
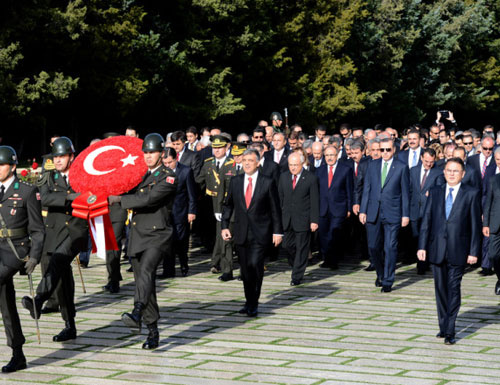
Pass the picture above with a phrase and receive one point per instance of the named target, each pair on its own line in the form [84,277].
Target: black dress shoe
[497,288]
[325,265]
[370,267]
[15,363]
[239,278]
[253,312]
[449,340]
[133,320]
[440,335]
[378,283]
[48,310]
[113,287]
[30,306]
[226,277]
[153,339]
[184,271]
[243,310]
[68,333]
[294,283]
[486,272]
[386,289]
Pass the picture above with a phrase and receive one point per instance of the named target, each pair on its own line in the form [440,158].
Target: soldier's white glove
[218,216]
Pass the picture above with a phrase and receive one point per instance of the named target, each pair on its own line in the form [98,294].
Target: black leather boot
[133,320]
[68,333]
[17,362]
[30,306]
[153,339]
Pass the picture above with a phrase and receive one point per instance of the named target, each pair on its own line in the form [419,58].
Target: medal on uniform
[13,212]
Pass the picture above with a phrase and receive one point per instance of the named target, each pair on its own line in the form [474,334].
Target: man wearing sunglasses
[468,143]
[385,208]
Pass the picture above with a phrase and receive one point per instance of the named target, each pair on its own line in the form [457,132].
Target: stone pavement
[336,328]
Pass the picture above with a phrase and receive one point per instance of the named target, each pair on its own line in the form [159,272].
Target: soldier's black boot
[133,320]
[17,362]
[68,333]
[153,339]
[30,306]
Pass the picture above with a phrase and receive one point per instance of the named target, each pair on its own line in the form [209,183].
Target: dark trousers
[447,280]
[413,246]
[252,257]
[113,256]
[494,252]
[383,239]
[297,244]
[330,239]
[59,271]
[222,255]
[145,265]
[486,262]
[10,316]
[358,236]
[52,302]
[180,246]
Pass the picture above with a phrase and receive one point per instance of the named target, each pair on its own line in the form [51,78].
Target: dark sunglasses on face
[487,148]
[385,149]
[467,143]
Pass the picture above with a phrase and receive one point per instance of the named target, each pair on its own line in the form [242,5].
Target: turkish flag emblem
[111,166]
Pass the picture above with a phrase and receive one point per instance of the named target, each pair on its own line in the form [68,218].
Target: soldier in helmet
[66,236]
[276,121]
[21,239]
[150,234]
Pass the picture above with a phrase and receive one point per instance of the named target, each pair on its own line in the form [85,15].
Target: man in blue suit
[183,214]
[450,237]
[422,178]
[335,194]
[385,208]
[411,157]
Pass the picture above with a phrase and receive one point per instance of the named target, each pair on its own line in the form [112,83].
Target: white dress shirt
[254,182]
[7,183]
[454,192]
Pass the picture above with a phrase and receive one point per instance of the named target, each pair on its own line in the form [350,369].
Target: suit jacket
[472,177]
[456,237]
[403,156]
[311,162]
[60,223]
[393,199]
[491,212]
[20,209]
[335,201]
[299,206]
[185,194]
[191,159]
[418,196]
[283,165]
[151,202]
[263,217]
[270,169]
[358,180]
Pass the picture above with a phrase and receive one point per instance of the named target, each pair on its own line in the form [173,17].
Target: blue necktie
[449,203]
[414,161]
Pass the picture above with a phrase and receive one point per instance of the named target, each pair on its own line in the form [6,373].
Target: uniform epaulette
[209,159]
[26,183]
[44,178]
[229,161]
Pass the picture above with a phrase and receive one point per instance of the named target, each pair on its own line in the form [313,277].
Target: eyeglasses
[467,143]
[385,149]
[487,148]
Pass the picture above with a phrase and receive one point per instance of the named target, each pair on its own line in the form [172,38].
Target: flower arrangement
[29,175]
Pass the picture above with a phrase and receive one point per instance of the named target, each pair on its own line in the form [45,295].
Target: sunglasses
[467,143]
[487,148]
[385,149]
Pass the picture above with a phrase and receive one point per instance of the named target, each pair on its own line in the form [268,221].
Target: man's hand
[421,255]
[191,218]
[218,216]
[348,214]
[314,227]
[450,117]
[438,116]
[277,239]
[30,265]
[112,199]
[362,218]
[72,196]
[471,260]
[226,234]
[405,221]
[486,231]
[355,209]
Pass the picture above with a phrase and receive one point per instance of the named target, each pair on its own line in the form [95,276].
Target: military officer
[66,236]
[211,176]
[21,239]
[150,234]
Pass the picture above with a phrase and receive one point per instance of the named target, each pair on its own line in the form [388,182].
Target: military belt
[211,193]
[13,233]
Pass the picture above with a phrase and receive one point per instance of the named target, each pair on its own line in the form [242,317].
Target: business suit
[184,204]
[312,163]
[491,219]
[253,229]
[270,169]
[404,156]
[448,242]
[299,208]
[283,164]
[384,207]
[486,262]
[335,202]
[191,159]
[475,160]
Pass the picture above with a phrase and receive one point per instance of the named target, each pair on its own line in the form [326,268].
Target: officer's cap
[238,148]
[218,141]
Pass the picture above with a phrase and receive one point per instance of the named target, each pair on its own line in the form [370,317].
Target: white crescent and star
[88,163]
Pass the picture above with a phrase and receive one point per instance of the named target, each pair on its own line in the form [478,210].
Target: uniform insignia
[15,195]
[48,165]
[56,176]
[157,173]
[209,159]
[13,212]
[38,196]
[16,186]
[170,179]
[15,199]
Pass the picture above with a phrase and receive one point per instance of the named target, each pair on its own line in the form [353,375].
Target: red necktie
[294,182]
[177,157]
[248,193]
[356,169]
[330,176]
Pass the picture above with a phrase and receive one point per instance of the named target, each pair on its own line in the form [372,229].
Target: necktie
[330,176]
[217,165]
[317,163]
[483,171]
[449,203]
[248,193]
[423,179]
[384,174]
[2,191]
[414,161]
[356,169]
[277,157]
[65,177]
[294,182]
[177,158]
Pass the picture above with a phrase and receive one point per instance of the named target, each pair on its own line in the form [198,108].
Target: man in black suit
[183,214]
[450,237]
[266,167]
[316,159]
[298,191]
[185,156]
[279,153]
[472,175]
[254,200]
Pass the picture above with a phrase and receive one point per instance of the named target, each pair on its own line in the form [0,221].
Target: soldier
[150,234]
[66,236]
[21,239]
[211,176]
[276,121]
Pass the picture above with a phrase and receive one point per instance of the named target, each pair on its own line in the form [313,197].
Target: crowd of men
[430,195]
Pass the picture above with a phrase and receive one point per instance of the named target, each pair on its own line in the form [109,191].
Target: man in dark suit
[184,155]
[422,178]
[450,237]
[279,153]
[298,191]
[335,203]
[257,222]
[472,175]
[183,214]
[411,157]
[66,236]
[316,159]
[385,208]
